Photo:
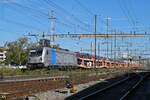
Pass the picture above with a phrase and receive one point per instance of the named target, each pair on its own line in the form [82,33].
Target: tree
[17,51]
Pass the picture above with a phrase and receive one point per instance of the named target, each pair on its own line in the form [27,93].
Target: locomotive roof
[65,50]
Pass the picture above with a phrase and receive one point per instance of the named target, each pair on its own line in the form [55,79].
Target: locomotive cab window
[36,52]
[32,53]
[39,52]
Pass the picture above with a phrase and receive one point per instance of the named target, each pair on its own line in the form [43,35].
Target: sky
[20,17]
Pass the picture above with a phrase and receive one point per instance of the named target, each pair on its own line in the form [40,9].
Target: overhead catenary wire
[85,8]
[52,3]
[19,24]
[71,24]
[28,11]
[31,15]
[127,13]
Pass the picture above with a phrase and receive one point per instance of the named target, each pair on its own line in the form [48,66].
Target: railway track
[119,90]
[13,89]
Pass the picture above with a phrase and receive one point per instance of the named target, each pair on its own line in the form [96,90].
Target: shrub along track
[12,89]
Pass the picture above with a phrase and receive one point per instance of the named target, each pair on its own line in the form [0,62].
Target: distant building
[126,55]
[3,51]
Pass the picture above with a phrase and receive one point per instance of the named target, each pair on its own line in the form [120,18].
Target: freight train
[46,57]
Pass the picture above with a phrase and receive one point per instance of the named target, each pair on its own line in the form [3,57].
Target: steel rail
[108,87]
[134,87]
[37,86]
[111,86]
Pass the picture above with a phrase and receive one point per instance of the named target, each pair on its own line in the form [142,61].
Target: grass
[17,71]
[72,73]
[78,74]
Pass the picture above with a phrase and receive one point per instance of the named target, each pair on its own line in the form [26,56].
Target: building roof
[3,49]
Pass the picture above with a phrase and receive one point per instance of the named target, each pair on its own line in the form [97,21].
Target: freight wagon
[87,61]
[51,58]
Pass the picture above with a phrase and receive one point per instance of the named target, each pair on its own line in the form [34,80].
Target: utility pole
[119,54]
[52,18]
[111,44]
[81,50]
[98,48]
[92,48]
[95,37]
[107,19]
[115,46]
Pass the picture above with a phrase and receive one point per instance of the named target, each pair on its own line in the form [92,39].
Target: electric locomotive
[46,57]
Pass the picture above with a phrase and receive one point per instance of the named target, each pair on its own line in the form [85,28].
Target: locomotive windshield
[35,52]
